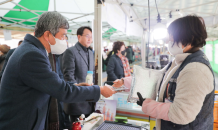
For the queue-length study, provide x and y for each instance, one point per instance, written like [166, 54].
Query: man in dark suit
[77, 60]
[28, 81]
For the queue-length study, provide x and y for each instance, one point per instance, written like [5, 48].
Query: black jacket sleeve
[110, 69]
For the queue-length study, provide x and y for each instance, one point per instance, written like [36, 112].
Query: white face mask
[175, 49]
[59, 47]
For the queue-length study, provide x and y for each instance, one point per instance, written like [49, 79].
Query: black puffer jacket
[115, 68]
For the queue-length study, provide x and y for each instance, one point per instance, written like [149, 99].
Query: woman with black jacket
[118, 65]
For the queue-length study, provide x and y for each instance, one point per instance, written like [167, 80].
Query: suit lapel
[82, 53]
[33, 40]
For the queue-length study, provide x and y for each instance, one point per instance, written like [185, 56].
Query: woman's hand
[84, 84]
[118, 83]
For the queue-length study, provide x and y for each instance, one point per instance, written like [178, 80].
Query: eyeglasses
[87, 36]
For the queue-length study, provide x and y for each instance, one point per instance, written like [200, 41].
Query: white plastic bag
[146, 81]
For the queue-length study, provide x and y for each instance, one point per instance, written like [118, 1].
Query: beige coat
[194, 82]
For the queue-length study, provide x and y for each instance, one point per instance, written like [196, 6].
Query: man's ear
[46, 35]
[78, 36]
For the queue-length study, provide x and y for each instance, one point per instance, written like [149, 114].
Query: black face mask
[123, 52]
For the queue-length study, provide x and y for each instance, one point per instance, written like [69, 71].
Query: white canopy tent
[135, 13]
[129, 17]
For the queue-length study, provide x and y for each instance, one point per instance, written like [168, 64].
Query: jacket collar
[79, 46]
[84, 48]
[33, 40]
[179, 58]
[119, 60]
[81, 52]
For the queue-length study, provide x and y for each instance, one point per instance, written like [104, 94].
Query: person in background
[129, 54]
[105, 49]
[10, 52]
[186, 94]
[76, 62]
[20, 42]
[4, 50]
[118, 65]
[29, 84]
[109, 54]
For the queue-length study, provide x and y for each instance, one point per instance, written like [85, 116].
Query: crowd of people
[130, 53]
[43, 81]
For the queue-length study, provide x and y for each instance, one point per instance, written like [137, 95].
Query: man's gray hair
[50, 21]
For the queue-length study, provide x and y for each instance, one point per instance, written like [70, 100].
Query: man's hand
[141, 99]
[84, 84]
[107, 91]
[118, 83]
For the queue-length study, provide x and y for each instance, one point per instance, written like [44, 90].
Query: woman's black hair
[188, 30]
[117, 46]
[81, 30]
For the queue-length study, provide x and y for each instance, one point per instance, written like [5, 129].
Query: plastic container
[122, 100]
[89, 77]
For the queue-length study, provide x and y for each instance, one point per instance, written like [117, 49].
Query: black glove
[141, 99]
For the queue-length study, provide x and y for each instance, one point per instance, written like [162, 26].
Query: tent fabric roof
[137, 11]
[24, 13]
[18, 10]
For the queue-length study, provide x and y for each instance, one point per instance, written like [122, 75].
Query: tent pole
[144, 6]
[15, 23]
[24, 8]
[80, 16]
[133, 10]
[143, 48]
[54, 5]
[19, 10]
[127, 13]
[169, 9]
[4, 2]
[18, 19]
[98, 40]
[21, 21]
